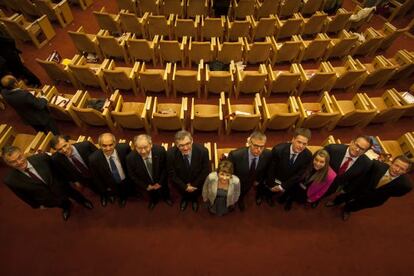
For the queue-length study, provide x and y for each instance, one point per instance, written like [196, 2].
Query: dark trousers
[162, 193]
[193, 197]
[75, 195]
[49, 126]
[363, 202]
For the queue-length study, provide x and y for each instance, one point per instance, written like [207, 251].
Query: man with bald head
[32, 110]
[109, 170]
[147, 167]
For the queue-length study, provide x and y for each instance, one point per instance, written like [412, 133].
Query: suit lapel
[245, 160]
[42, 171]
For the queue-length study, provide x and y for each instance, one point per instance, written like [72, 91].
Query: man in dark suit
[382, 182]
[289, 162]
[108, 167]
[32, 110]
[188, 167]
[350, 163]
[72, 161]
[147, 167]
[251, 164]
[33, 180]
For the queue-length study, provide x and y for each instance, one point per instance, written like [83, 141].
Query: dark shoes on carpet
[87, 204]
[183, 205]
[194, 205]
[330, 204]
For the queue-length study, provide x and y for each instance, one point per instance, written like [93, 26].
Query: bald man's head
[9, 82]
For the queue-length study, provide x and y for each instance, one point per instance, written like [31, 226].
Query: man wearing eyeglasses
[188, 167]
[250, 166]
[350, 163]
[289, 162]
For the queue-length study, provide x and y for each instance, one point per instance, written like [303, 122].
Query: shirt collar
[347, 155]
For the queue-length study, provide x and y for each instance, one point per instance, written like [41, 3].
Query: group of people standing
[288, 173]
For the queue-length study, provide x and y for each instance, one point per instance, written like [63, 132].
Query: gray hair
[106, 133]
[180, 135]
[142, 136]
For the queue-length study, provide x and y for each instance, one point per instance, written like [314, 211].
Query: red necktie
[344, 166]
[33, 176]
[79, 166]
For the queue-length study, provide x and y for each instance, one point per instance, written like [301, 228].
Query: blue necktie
[114, 170]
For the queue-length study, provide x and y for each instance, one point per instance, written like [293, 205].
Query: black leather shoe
[195, 206]
[241, 205]
[151, 205]
[330, 204]
[87, 204]
[258, 201]
[345, 215]
[183, 205]
[111, 199]
[168, 201]
[122, 203]
[66, 213]
[104, 201]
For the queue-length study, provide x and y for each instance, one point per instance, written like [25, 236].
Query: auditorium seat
[85, 43]
[197, 7]
[108, 21]
[314, 49]
[316, 80]
[172, 50]
[131, 23]
[243, 8]
[220, 154]
[251, 81]
[288, 27]
[230, 51]
[243, 117]
[390, 33]
[311, 7]
[257, 52]
[283, 81]
[369, 46]
[265, 26]
[402, 146]
[277, 116]
[349, 76]
[151, 6]
[112, 47]
[155, 80]
[204, 50]
[131, 115]
[169, 116]
[219, 81]
[389, 108]
[88, 74]
[173, 7]
[130, 6]
[338, 22]
[160, 25]
[207, 117]
[212, 27]
[125, 78]
[313, 24]
[186, 27]
[142, 49]
[405, 64]
[408, 105]
[187, 81]
[57, 72]
[341, 45]
[266, 8]
[287, 51]
[28, 143]
[378, 72]
[237, 28]
[59, 12]
[288, 8]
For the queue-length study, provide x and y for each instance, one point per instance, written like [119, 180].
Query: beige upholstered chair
[373, 40]
[390, 33]
[311, 7]
[131, 115]
[155, 80]
[251, 81]
[267, 8]
[186, 27]
[28, 143]
[278, 116]
[243, 8]
[151, 6]
[405, 64]
[108, 21]
[316, 80]
[338, 22]
[172, 50]
[283, 81]
[409, 106]
[131, 23]
[88, 74]
[212, 27]
[173, 7]
[314, 24]
[378, 72]
[219, 81]
[266, 26]
[287, 51]
[314, 49]
[258, 52]
[128, 5]
[91, 116]
[142, 49]
[160, 25]
[169, 116]
[60, 105]
[125, 78]
[289, 27]
[57, 72]
[350, 75]
[357, 112]
[237, 28]
[230, 51]
[207, 117]
[85, 43]
[187, 81]
[288, 8]
[197, 7]
[402, 146]
[205, 50]
[243, 117]
[318, 114]
[84, 4]
[341, 46]
[40, 31]
[59, 12]
[112, 47]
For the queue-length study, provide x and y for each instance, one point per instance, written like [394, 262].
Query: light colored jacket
[210, 189]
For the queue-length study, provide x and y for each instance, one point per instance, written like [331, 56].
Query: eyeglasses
[257, 146]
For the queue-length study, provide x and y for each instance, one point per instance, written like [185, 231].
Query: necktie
[114, 170]
[33, 176]
[292, 159]
[80, 167]
[252, 171]
[344, 166]
[148, 164]
[384, 180]
[187, 161]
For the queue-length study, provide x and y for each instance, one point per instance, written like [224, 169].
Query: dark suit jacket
[36, 193]
[280, 168]
[138, 172]
[349, 179]
[102, 175]
[180, 175]
[375, 197]
[67, 169]
[240, 160]
[31, 109]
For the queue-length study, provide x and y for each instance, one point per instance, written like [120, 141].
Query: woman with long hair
[314, 183]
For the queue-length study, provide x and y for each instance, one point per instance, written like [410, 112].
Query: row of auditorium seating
[203, 28]
[397, 8]
[237, 9]
[350, 76]
[50, 8]
[40, 142]
[152, 115]
[39, 31]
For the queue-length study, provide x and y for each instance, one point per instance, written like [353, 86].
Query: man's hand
[156, 186]
[190, 188]
[42, 207]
